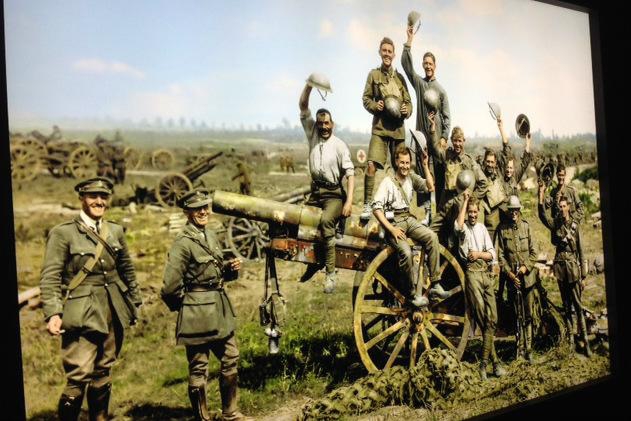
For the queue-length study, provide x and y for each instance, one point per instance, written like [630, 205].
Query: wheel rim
[82, 162]
[162, 159]
[247, 239]
[25, 164]
[171, 187]
[389, 331]
[132, 158]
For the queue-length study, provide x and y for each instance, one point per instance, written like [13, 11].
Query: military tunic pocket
[76, 308]
[199, 316]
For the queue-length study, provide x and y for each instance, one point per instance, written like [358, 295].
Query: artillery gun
[388, 330]
[173, 185]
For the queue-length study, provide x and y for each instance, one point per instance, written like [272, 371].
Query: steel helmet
[513, 202]
[320, 82]
[392, 106]
[431, 99]
[465, 180]
[414, 17]
[495, 110]
[522, 125]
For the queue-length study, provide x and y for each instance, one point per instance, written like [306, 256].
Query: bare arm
[303, 103]
[348, 205]
[429, 178]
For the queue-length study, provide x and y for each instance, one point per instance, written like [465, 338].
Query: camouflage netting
[437, 376]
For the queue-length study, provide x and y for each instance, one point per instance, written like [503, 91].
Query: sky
[245, 63]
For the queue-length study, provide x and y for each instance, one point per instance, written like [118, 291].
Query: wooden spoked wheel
[390, 331]
[171, 187]
[36, 146]
[25, 163]
[82, 162]
[162, 159]
[132, 158]
[247, 239]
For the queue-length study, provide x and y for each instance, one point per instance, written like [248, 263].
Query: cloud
[102, 67]
[326, 28]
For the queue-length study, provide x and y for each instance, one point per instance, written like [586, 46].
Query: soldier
[245, 181]
[87, 265]
[577, 213]
[451, 161]
[104, 158]
[394, 194]
[517, 256]
[426, 88]
[118, 158]
[475, 250]
[329, 162]
[495, 196]
[387, 98]
[289, 163]
[506, 163]
[570, 269]
[193, 286]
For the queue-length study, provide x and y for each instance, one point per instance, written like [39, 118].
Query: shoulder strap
[99, 238]
[400, 187]
[89, 264]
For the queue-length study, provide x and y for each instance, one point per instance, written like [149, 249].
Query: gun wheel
[25, 163]
[82, 162]
[132, 158]
[389, 331]
[247, 239]
[171, 187]
[162, 159]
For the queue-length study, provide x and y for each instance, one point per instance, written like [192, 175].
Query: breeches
[378, 149]
[88, 357]
[480, 290]
[226, 352]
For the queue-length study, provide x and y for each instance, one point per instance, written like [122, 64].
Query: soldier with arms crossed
[87, 266]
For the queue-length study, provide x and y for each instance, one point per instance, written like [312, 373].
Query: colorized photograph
[343, 209]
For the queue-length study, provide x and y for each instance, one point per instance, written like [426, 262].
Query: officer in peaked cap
[193, 286]
[87, 261]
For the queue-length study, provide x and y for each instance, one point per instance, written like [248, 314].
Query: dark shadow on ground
[333, 356]
[159, 412]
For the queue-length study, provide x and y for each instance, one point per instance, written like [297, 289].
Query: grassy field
[318, 350]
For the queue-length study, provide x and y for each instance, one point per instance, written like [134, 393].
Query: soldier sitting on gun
[570, 269]
[395, 192]
[516, 255]
[475, 249]
[329, 162]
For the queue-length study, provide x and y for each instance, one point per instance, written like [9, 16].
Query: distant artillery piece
[173, 185]
[133, 158]
[160, 159]
[25, 163]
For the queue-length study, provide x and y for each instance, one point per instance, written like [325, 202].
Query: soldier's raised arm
[303, 103]
[406, 62]
[543, 215]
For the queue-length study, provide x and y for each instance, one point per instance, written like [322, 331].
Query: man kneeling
[395, 193]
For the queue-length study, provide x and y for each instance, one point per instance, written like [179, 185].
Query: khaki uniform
[577, 211]
[245, 180]
[95, 312]
[515, 248]
[569, 267]
[511, 185]
[386, 131]
[494, 199]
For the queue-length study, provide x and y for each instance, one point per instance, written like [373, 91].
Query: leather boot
[197, 395]
[482, 369]
[583, 328]
[99, 401]
[69, 407]
[229, 399]
[528, 341]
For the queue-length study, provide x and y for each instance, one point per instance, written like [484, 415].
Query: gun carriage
[388, 330]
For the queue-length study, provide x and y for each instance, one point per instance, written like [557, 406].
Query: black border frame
[599, 398]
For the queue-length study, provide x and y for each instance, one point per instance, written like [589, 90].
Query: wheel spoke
[397, 349]
[451, 293]
[439, 335]
[389, 331]
[382, 310]
[373, 322]
[413, 349]
[446, 317]
[442, 268]
[389, 287]
[425, 339]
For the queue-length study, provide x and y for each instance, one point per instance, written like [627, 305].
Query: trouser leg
[429, 240]
[331, 212]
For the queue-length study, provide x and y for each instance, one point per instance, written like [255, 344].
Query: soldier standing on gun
[329, 161]
[387, 98]
[193, 286]
[423, 108]
[245, 180]
[517, 256]
[569, 266]
[395, 193]
[87, 265]
[476, 251]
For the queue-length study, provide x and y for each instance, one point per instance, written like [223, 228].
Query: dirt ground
[318, 351]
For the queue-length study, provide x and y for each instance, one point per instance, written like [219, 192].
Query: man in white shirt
[395, 193]
[475, 249]
[329, 161]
